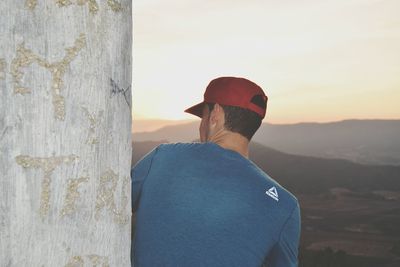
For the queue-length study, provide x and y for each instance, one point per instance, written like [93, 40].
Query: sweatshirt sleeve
[138, 175]
[285, 252]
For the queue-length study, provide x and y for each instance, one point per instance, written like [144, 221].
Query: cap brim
[196, 110]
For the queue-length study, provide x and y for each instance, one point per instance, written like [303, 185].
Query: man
[207, 204]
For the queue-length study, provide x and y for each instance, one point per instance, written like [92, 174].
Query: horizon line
[274, 123]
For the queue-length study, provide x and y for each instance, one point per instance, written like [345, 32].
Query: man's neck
[232, 141]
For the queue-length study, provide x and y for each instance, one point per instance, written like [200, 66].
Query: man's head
[232, 104]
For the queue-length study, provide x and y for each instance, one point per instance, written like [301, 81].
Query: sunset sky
[317, 60]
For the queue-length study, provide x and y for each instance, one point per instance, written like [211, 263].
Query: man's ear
[217, 114]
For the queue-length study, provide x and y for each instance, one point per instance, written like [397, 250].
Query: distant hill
[173, 133]
[305, 174]
[374, 142]
[141, 125]
[310, 175]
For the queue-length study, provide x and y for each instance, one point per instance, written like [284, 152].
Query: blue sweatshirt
[198, 204]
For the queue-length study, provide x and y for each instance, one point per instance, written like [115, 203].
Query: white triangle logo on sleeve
[272, 193]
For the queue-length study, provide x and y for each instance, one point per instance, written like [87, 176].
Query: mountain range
[373, 142]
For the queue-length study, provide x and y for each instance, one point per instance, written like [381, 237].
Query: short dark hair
[239, 120]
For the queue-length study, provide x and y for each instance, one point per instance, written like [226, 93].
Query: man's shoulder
[283, 194]
[180, 147]
[274, 189]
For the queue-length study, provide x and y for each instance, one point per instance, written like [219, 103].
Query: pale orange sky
[316, 60]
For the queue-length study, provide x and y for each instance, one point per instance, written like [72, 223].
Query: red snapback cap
[233, 91]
